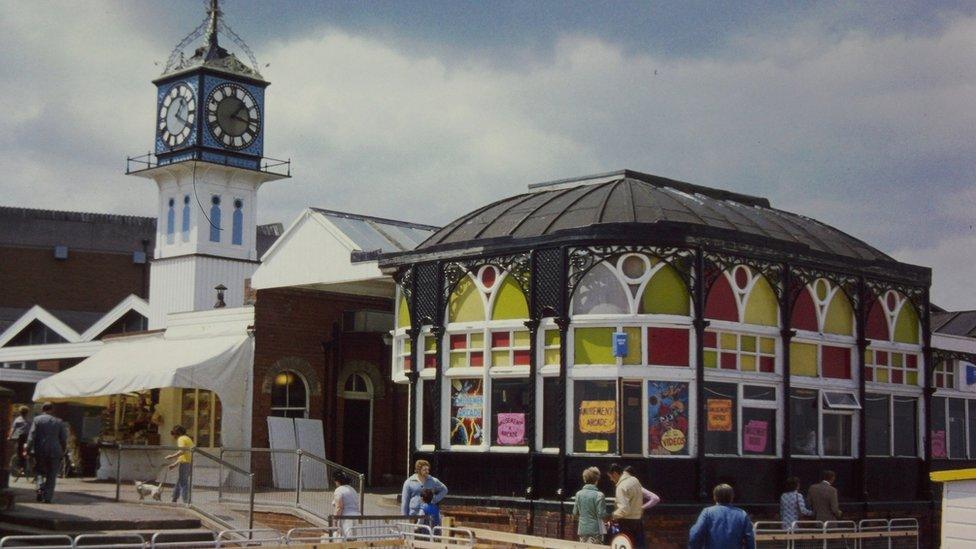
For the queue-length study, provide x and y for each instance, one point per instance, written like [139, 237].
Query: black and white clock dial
[233, 116]
[176, 115]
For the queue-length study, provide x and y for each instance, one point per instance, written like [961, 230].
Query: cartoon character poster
[667, 409]
[467, 412]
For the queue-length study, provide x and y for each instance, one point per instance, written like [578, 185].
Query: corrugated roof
[373, 234]
[958, 323]
[628, 197]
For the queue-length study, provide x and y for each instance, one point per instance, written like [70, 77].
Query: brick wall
[86, 281]
[291, 326]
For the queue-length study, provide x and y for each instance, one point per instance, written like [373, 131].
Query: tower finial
[213, 15]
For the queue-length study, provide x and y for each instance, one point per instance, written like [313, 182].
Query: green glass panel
[521, 338]
[747, 363]
[711, 359]
[803, 359]
[466, 303]
[748, 343]
[906, 327]
[510, 303]
[840, 315]
[594, 346]
[730, 342]
[762, 308]
[403, 314]
[551, 356]
[458, 360]
[767, 345]
[500, 358]
[666, 294]
[634, 346]
[552, 337]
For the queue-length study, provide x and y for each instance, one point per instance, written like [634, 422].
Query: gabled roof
[958, 323]
[131, 303]
[39, 314]
[376, 234]
[74, 326]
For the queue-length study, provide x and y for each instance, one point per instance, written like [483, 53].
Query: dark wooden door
[356, 431]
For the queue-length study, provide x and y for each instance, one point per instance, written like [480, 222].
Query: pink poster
[511, 429]
[938, 444]
[755, 435]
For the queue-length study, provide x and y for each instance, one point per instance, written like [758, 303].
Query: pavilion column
[563, 321]
[924, 484]
[700, 324]
[786, 336]
[530, 415]
[860, 328]
[412, 377]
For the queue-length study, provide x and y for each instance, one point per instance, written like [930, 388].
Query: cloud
[860, 130]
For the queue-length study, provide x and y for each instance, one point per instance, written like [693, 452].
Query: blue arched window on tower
[215, 219]
[186, 218]
[170, 221]
[237, 235]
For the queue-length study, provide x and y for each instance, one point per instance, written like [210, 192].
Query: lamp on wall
[387, 339]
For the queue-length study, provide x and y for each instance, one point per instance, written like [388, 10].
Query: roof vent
[60, 252]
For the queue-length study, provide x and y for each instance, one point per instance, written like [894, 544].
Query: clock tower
[208, 165]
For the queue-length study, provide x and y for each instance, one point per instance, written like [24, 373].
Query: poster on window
[598, 416]
[719, 414]
[667, 415]
[938, 444]
[511, 429]
[467, 412]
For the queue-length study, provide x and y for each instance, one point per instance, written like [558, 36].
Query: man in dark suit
[46, 442]
[823, 498]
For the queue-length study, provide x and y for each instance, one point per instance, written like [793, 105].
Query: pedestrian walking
[629, 498]
[792, 507]
[722, 526]
[19, 464]
[823, 498]
[590, 508]
[345, 501]
[183, 458]
[47, 441]
[410, 502]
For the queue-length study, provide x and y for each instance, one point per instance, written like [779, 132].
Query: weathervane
[210, 27]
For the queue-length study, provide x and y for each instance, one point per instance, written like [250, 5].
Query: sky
[858, 114]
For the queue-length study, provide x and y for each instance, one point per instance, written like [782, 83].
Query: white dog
[155, 491]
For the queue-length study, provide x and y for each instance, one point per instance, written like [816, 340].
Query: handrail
[155, 542]
[112, 539]
[222, 462]
[52, 537]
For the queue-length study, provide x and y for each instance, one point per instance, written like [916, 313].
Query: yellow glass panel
[458, 360]
[803, 359]
[767, 345]
[747, 343]
[407, 345]
[552, 337]
[510, 303]
[730, 342]
[906, 327]
[500, 358]
[465, 304]
[477, 341]
[912, 378]
[403, 313]
[711, 359]
[881, 375]
[634, 346]
[897, 360]
[521, 338]
[747, 363]
[762, 308]
[868, 356]
[666, 294]
[551, 356]
[594, 346]
[840, 315]
[430, 344]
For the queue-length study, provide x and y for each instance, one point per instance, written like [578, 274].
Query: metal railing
[273, 166]
[901, 533]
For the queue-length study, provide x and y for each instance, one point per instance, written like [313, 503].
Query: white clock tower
[208, 166]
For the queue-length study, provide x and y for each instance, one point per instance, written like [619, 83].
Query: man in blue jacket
[722, 526]
[410, 501]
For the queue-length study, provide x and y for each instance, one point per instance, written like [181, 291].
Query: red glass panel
[741, 278]
[501, 339]
[911, 361]
[669, 346]
[522, 358]
[459, 341]
[488, 277]
[877, 327]
[939, 382]
[728, 361]
[892, 300]
[881, 358]
[477, 359]
[711, 340]
[430, 361]
[720, 304]
[804, 313]
[836, 362]
[407, 363]
[767, 364]
[896, 376]
[869, 374]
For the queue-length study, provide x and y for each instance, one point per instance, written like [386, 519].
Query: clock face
[233, 116]
[176, 115]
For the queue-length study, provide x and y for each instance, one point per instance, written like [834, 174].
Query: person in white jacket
[410, 502]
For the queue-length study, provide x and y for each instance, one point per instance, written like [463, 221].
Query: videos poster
[667, 408]
[467, 412]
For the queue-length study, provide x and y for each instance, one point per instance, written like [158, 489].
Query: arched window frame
[186, 218]
[170, 220]
[215, 218]
[237, 225]
[625, 372]
[290, 407]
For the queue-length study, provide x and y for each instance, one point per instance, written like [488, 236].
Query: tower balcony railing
[148, 161]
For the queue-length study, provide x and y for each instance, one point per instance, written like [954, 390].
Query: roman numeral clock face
[233, 116]
[176, 114]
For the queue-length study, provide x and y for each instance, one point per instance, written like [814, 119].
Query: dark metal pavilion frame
[549, 238]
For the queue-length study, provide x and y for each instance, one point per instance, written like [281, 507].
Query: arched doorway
[357, 422]
[289, 395]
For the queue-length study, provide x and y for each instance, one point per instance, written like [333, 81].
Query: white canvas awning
[218, 363]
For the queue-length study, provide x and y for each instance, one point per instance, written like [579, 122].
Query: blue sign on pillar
[619, 344]
[970, 374]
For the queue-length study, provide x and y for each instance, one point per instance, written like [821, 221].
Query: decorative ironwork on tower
[211, 54]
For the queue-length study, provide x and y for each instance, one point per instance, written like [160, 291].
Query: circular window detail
[215, 200]
[741, 276]
[488, 276]
[891, 300]
[171, 202]
[634, 267]
[820, 287]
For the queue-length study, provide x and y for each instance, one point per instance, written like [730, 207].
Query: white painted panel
[281, 436]
[311, 439]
